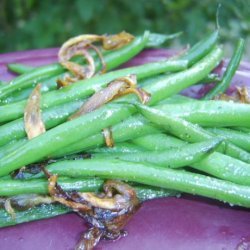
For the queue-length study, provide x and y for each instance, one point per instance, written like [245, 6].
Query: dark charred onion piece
[107, 134]
[89, 239]
[33, 123]
[107, 213]
[117, 88]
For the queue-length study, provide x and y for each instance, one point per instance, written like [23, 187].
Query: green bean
[238, 138]
[51, 117]
[63, 135]
[201, 48]
[12, 145]
[172, 158]
[122, 147]
[182, 181]
[179, 81]
[243, 129]
[158, 142]
[128, 129]
[216, 164]
[28, 79]
[10, 188]
[211, 78]
[155, 40]
[162, 89]
[85, 88]
[225, 167]
[229, 73]
[40, 186]
[190, 132]
[36, 213]
[19, 68]
[51, 210]
[47, 85]
[210, 113]
[88, 125]
[112, 60]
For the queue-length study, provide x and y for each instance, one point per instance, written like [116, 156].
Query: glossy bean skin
[67, 133]
[230, 71]
[63, 135]
[40, 186]
[172, 158]
[128, 129]
[211, 113]
[238, 138]
[112, 60]
[46, 86]
[190, 132]
[216, 164]
[52, 117]
[85, 88]
[51, 210]
[172, 84]
[200, 49]
[122, 147]
[19, 68]
[158, 142]
[37, 213]
[182, 181]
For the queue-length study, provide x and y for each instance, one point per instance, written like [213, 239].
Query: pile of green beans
[158, 147]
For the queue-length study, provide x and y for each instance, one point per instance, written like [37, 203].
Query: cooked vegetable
[230, 71]
[88, 133]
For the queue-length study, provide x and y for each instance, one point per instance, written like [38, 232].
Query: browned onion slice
[117, 88]
[33, 123]
[79, 45]
[107, 213]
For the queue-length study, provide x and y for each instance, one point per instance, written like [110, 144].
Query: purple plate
[169, 223]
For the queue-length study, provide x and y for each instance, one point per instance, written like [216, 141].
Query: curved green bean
[19, 68]
[238, 138]
[172, 158]
[87, 125]
[85, 88]
[112, 60]
[210, 113]
[182, 181]
[230, 71]
[189, 132]
[200, 49]
[51, 117]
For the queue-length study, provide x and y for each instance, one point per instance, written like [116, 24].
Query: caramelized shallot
[33, 122]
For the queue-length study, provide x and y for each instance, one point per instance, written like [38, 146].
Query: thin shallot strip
[117, 88]
[33, 123]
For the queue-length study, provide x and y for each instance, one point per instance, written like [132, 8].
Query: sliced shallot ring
[86, 39]
[33, 122]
